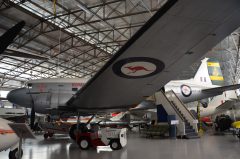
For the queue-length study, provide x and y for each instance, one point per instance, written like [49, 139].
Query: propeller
[32, 117]
[33, 113]
[7, 38]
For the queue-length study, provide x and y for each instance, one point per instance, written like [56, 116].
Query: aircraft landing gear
[79, 128]
[73, 130]
[14, 154]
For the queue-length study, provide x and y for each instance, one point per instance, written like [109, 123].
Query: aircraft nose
[11, 96]
[19, 97]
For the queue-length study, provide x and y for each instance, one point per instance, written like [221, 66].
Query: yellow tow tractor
[236, 128]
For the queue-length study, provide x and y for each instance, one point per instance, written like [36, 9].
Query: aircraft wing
[220, 90]
[180, 33]
[226, 105]
[7, 38]
[229, 104]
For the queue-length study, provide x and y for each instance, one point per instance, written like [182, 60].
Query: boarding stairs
[187, 126]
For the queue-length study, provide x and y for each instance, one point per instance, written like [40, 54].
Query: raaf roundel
[137, 67]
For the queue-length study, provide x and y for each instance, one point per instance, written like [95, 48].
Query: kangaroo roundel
[138, 67]
[186, 90]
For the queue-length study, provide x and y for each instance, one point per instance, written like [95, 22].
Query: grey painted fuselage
[46, 94]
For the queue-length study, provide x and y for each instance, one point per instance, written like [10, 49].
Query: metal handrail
[180, 115]
[183, 104]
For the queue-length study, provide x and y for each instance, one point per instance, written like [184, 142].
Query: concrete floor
[208, 147]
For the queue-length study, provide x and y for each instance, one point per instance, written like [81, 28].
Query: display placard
[174, 122]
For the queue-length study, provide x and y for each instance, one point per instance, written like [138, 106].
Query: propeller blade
[32, 118]
[7, 38]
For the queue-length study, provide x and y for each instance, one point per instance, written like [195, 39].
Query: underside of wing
[220, 90]
[180, 33]
[229, 104]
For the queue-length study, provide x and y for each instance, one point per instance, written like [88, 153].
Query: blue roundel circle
[137, 67]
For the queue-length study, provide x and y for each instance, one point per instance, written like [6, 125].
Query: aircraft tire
[50, 134]
[84, 143]
[14, 154]
[115, 144]
[72, 131]
[82, 129]
[45, 136]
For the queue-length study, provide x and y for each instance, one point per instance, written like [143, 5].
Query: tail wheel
[115, 144]
[84, 143]
[14, 154]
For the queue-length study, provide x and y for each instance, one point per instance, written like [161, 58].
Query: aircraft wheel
[50, 134]
[72, 131]
[115, 144]
[45, 136]
[14, 154]
[84, 143]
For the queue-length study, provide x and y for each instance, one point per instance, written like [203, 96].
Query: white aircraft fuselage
[189, 90]
[8, 138]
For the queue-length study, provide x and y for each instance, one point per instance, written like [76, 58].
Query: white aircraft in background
[178, 34]
[223, 110]
[221, 104]
[8, 113]
[207, 82]
[8, 139]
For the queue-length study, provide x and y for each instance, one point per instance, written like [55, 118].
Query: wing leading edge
[176, 36]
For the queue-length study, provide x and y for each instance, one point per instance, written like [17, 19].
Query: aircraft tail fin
[215, 72]
[210, 72]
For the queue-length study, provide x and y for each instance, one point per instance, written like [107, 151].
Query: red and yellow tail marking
[2, 131]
